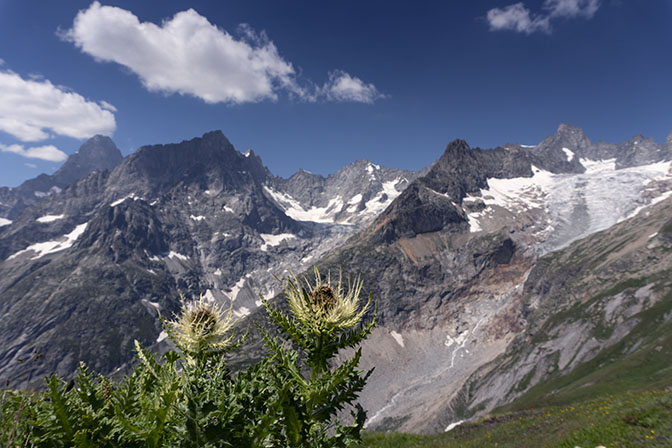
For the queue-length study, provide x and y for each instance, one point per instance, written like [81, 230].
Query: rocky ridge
[197, 217]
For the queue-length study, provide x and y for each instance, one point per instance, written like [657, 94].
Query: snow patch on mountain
[397, 337]
[236, 289]
[453, 425]
[241, 312]
[274, 240]
[4, 222]
[43, 194]
[384, 198]
[295, 210]
[50, 247]
[568, 152]
[130, 196]
[356, 199]
[516, 194]
[209, 297]
[179, 256]
[49, 218]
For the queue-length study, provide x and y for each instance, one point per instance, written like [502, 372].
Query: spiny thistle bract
[202, 327]
[323, 305]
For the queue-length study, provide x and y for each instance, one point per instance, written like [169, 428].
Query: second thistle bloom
[324, 305]
[202, 327]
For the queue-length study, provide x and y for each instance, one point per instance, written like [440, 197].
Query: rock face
[97, 153]
[114, 248]
[469, 263]
[432, 203]
[555, 150]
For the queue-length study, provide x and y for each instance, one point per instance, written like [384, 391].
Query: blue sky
[318, 85]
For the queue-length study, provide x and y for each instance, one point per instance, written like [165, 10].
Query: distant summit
[97, 153]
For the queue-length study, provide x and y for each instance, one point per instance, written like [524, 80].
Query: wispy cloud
[572, 8]
[188, 55]
[49, 153]
[517, 17]
[31, 109]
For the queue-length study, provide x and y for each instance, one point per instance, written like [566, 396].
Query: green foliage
[188, 398]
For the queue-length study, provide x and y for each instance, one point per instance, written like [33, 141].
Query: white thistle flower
[326, 306]
[202, 327]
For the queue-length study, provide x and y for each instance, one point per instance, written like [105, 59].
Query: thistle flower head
[202, 327]
[324, 305]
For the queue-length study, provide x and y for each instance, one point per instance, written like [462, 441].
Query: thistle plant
[313, 389]
[188, 398]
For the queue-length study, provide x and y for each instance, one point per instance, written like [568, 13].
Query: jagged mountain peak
[215, 136]
[569, 129]
[639, 139]
[97, 143]
[637, 151]
[305, 174]
[668, 141]
[98, 152]
[560, 152]
[209, 162]
[456, 151]
[569, 135]
[360, 164]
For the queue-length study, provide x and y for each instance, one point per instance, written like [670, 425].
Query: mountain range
[496, 272]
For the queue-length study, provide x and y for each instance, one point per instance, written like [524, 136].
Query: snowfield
[576, 205]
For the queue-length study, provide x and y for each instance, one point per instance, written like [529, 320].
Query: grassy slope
[586, 408]
[641, 360]
[625, 420]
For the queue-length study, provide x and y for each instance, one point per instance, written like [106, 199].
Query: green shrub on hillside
[188, 398]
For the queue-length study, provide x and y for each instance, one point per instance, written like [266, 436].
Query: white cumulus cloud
[187, 54]
[49, 153]
[517, 17]
[32, 108]
[343, 87]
